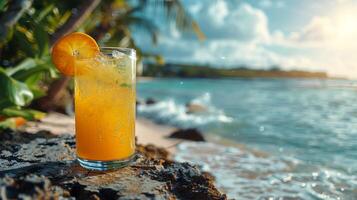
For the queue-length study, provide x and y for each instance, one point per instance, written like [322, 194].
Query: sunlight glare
[346, 24]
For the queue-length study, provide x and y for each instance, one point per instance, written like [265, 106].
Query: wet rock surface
[150, 101]
[188, 134]
[42, 166]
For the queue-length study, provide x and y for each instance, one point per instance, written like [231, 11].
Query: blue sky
[317, 35]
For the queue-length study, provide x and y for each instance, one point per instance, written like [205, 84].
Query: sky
[315, 35]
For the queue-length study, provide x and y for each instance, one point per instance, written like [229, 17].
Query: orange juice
[105, 107]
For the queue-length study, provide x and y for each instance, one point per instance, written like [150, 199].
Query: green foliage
[12, 113]
[2, 5]
[25, 64]
[113, 24]
[14, 93]
[19, 86]
[28, 114]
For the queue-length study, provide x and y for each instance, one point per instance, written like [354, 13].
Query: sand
[147, 132]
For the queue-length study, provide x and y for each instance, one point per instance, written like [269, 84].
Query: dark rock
[140, 101]
[188, 134]
[152, 151]
[25, 149]
[43, 167]
[150, 101]
[30, 187]
[187, 181]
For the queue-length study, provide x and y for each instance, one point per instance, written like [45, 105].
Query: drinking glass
[105, 109]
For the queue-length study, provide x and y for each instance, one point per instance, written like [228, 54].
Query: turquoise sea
[297, 137]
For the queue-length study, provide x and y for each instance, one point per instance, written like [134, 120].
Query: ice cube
[117, 54]
[101, 57]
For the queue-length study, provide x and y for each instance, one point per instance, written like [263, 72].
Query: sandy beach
[149, 132]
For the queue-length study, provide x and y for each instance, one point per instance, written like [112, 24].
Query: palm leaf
[3, 5]
[176, 12]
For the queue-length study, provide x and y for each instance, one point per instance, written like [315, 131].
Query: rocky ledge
[42, 166]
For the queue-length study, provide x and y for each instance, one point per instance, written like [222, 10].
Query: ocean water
[299, 136]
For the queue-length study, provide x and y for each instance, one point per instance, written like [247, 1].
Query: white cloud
[317, 33]
[332, 41]
[228, 53]
[236, 33]
[218, 13]
[222, 20]
[236, 53]
[239, 33]
[320, 29]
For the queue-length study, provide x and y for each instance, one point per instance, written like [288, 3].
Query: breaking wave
[174, 113]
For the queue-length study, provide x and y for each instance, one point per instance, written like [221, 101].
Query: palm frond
[174, 11]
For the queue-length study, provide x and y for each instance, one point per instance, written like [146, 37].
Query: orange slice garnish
[72, 48]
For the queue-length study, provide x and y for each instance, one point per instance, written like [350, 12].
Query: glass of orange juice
[105, 109]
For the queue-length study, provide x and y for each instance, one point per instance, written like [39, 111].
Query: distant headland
[204, 71]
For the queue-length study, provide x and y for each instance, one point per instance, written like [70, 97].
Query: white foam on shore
[171, 112]
[246, 175]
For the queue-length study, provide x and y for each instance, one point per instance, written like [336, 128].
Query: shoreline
[150, 78]
[147, 131]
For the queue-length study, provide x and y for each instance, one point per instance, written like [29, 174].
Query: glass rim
[128, 51]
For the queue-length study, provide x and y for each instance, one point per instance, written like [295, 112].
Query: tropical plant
[25, 61]
[29, 28]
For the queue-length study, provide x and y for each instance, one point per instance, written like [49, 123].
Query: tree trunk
[57, 87]
[75, 20]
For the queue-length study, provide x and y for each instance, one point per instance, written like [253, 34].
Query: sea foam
[172, 112]
[245, 175]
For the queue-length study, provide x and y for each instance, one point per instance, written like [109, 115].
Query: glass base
[105, 165]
